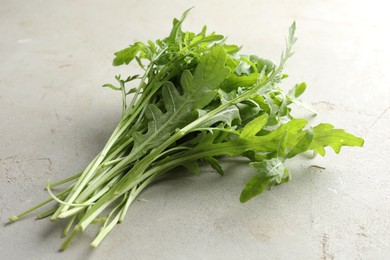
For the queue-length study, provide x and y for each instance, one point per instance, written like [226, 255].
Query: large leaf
[247, 139]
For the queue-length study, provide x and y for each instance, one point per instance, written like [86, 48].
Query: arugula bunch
[197, 100]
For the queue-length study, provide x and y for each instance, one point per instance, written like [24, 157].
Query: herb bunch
[197, 100]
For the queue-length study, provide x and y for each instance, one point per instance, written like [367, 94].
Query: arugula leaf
[226, 116]
[233, 82]
[199, 89]
[294, 93]
[326, 135]
[269, 172]
[192, 166]
[297, 90]
[252, 128]
[126, 55]
[215, 165]
[176, 29]
[302, 144]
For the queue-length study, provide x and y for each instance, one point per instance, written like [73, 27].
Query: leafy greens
[197, 100]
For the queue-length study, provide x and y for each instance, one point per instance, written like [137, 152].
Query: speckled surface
[54, 118]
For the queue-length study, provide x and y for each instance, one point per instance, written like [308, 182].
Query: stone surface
[54, 117]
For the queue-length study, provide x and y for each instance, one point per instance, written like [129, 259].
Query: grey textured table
[54, 118]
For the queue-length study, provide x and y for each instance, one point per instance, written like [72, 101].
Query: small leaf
[111, 87]
[210, 38]
[256, 185]
[248, 110]
[233, 82]
[215, 165]
[254, 126]
[176, 29]
[294, 93]
[243, 68]
[263, 64]
[192, 166]
[302, 145]
[303, 105]
[126, 55]
[226, 97]
[232, 48]
[130, 78]
[268, 172]
[326, 135]
[131, 91]
[282, 148]
[297, 90]
[226, 116]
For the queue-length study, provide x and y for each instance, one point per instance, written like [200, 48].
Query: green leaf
[131, 91]
[192, 166]
[176, 29]
[215, 165]
[202, 39]
[226, 116]
[302, 145]
[210, 72]
[297, 90]
[111, 87]
[282, 147]
[270, 141]
[269, 172]
[199, 89]
[325, 135]
[290, 41]
[226, 97]
[303, 105]
[126, 55]
[262, 64]
[256, 185]
[231, 48]
[248, 139]
[294, 93]
[243, 68]
[248, 110]
[253, 127]
[233, 82]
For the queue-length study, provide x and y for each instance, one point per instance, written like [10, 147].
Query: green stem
[137, 172]
[91, 169]
[47, 213]
[69, 226]
[146, 74]
[61, 194]
[120, 216]
[58, 183]
[96, 196]
[129, 200]
[105, 230]
[124, 105]
[69, 240]
[125, 184]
